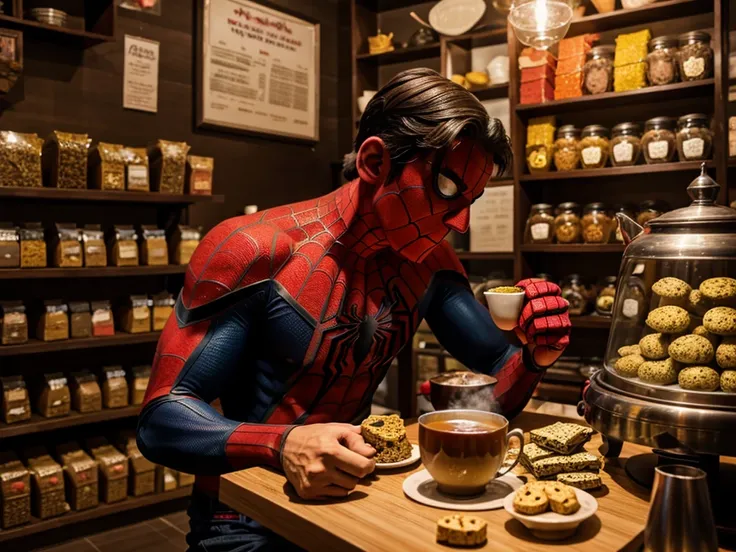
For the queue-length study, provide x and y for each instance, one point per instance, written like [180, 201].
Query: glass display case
[670, 364]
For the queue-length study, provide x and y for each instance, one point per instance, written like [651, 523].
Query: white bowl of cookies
[549, 509]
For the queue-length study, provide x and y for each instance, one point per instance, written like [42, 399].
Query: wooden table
[377, 516]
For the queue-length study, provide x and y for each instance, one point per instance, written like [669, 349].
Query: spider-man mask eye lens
[446, 187]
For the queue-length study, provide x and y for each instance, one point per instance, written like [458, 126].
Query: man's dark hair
[419, 109]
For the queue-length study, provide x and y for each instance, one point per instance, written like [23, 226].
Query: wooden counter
[377, 516]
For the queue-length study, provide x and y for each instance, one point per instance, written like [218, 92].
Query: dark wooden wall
[66, 88]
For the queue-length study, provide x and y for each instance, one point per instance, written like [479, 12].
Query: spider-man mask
[431, 196]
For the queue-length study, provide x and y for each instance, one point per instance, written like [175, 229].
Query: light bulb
[540, 23]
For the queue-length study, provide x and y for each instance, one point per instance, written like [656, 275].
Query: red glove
[544, 325]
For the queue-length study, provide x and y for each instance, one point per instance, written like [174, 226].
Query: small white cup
[505, 308]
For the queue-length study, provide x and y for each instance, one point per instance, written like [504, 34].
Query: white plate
[551, 525]
[401, 463]
[423, 489]
[456, 17]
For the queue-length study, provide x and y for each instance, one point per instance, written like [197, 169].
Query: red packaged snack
[538, 91]
[535, 73]
[531, 57]
[572, 64]
[569, 86]
[576, 45]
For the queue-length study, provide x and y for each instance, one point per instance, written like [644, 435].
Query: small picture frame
[11, 48]
[152, 7]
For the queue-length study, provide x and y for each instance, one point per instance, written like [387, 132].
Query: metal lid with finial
[702, 212]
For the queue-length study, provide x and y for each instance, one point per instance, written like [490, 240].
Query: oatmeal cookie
[661, 372]
[691, 349]
[699, 378]
[628, 366]
[531, 499]
[720, 321]
[562, 499]
[654, 346]
[629, 350]
[719, 289]
[668, 320]
[728, 381]
[726, 353]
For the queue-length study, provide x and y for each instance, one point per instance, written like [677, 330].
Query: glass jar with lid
[596, 223]
[598, 70]
[567, 223]
[659, 142]
[625, 144]
[628, 209]
[606, 296]
[694, 137]
[539, 158]
[695, 56]
[662, 60]
[576, 294]
[566, 148]
[540, 224]
[594, 147]
[650, 209]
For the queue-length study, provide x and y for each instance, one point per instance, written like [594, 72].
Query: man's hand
[325, 460]
[544, 325]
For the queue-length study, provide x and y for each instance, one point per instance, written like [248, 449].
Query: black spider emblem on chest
[362, 332]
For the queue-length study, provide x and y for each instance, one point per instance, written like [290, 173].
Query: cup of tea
[461, 390]
[463, 449]
[505, 304]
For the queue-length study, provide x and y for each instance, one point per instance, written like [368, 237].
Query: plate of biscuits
[551, 510]
[387, 435]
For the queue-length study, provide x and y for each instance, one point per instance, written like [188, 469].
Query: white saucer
[551, 525]
[401, 463]
[423, 489]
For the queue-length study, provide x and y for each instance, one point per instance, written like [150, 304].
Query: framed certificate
[257, 70]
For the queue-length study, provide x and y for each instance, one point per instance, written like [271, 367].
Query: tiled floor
[162, 534]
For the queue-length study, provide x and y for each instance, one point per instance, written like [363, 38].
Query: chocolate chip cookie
[660, 372]
[691, 349]
[669, 319]
[726, 353]
[654, 346]
[720, 321]
[699, 378]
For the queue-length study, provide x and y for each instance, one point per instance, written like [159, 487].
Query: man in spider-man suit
[291, 316]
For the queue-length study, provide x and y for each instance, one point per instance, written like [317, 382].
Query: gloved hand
[544, 324]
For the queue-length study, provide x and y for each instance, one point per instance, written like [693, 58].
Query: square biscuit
[561, 437]
[581, 461]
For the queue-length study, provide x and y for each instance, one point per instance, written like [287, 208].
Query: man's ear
[373, 161]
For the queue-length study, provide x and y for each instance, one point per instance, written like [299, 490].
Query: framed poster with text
[257, 70]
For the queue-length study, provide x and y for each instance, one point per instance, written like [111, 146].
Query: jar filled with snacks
[139, 383]
[80, 318]
[627, 209]
[107, 167]
[136, 169]
[81, 476]
[95, 251]
[183, 243]
[199, 174]
[32, 245]
[598, 70]
[566, 148]
[113, 470]
[695, 55]
[662, 60]
[567, 223]
[625, 144]
[538, 158]
[540, 224]
[168, 162]
[15, 491]
[67, 245]
[136, 315]
[694, 137]
[102, 321]
[659, 142]
[16, 402]
[163, 306]
[114, 387]
[20, 160]
[48, 484]
[606, 296]
[154, 250]
[142, 470]
[54, 322]
[9, 246]
[65, 159]
[594, 147]
[54, 399]
[86, 392]
[576, 295]
[596, 223]
[14, 322]
[123, 250]
[650, 209]
[540, 137]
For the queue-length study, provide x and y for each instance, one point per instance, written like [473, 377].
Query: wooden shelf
[693, 166]
[472, 256]
[659, 11]
[98, 272]
[56, 194]
[492, 92]
[400, 55]
[39, 424]
[131, 503]
[591, 321]
[35, 346]
[52, 31]
[480, 38]
[651, 94]
[574, 248]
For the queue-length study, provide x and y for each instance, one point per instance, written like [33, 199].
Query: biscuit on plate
[562, 499]
[461, 530]
[561, 437]
[581, 480]
[531, 499]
